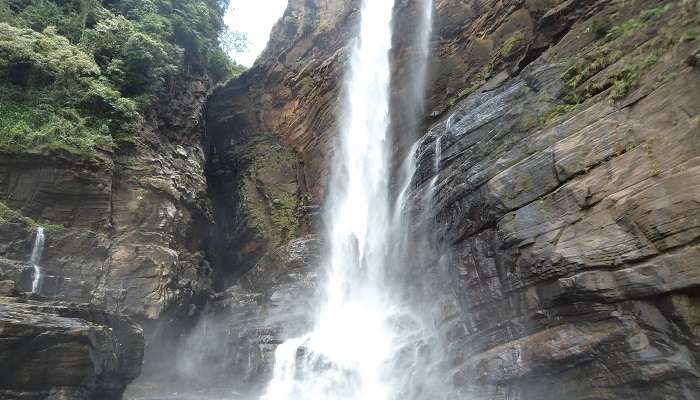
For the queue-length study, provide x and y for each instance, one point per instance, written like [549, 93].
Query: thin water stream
[35, 259]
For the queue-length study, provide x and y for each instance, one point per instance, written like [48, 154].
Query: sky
[255, 18]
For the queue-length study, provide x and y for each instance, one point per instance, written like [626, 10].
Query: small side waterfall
[35, 259]
[436, 165]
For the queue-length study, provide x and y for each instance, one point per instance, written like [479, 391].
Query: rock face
[126, 230]
[59, 351]
[566, 195]
[232, 347]
[568, 136]
[567, 192]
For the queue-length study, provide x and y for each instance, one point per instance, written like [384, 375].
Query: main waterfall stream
[364, 327]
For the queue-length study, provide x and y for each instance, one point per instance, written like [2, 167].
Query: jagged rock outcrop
[61, 351]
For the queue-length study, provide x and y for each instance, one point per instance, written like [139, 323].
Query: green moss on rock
[511, 44]
[10, 215]
[273, 203]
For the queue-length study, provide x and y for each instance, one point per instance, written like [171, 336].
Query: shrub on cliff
[138, 64]
[75, 74]
[54, 95]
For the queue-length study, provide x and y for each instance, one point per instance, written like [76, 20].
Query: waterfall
[363, 327]
[436, 163]
[35, 258]
[425, 30]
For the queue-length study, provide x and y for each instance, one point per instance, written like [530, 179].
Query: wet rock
[232, 346]
[274, 302]
[126, 230]
[574, 236]
[8, 288]
[61, 351]
[21, 274]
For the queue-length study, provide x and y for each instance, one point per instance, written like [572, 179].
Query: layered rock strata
[62, 351]
[567, 135]
[125, 230]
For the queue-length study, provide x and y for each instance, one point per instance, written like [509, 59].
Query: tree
[233, 41]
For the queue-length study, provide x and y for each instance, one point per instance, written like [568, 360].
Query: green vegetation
[276, 211]
[626, 28]
[653, 13]
[280, 217]
[588, 66]
[555, 113]
[600, 27]
[53, 93]
[604, 67]
[79, 74]
[506, 51]
[627, 79]
[578, 83]
[285, 212]
[634, 24]
[689, 36]
[511, 44]
[9, 215]
[581, 80]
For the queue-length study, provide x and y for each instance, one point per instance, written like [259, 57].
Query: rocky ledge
[51, 350]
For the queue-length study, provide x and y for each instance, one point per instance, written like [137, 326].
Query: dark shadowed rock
[60, 351]
[8, 288]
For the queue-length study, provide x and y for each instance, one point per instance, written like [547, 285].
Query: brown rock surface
[567, 189]
[125, 230]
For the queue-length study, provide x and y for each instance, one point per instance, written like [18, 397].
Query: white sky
[255, 18]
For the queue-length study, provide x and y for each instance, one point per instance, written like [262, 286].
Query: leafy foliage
[53, 94]
[78, 74]
[137, 64]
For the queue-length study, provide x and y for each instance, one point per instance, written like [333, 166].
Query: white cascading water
[352, 352]
[35, 258]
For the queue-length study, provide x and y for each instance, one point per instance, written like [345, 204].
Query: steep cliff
[119, 184]
[568, 147]
[101, 145]
[567, 191]
[265, 166]
[559, 145]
